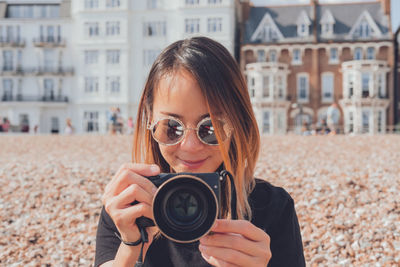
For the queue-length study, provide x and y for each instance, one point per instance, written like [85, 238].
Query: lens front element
[185, 208]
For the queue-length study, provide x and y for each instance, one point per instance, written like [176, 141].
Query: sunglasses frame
[151, 128]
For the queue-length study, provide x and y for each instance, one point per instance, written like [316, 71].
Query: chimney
[386, 6]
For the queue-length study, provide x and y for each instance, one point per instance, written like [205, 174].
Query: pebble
[345, 190]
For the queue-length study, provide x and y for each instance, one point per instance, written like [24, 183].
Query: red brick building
[308, 65]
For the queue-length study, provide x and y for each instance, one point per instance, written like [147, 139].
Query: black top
[273, 211]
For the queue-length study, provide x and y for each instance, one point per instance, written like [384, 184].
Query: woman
[196, 82]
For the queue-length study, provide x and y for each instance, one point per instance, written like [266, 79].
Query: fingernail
[154, 168]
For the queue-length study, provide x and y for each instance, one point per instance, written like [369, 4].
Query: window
[92, 29]
[153, 4]
[191, 2]
[326, 29]
[260, 55]
[113, 84]
[327, 87]
[49, 59]
[333, 55]
[149, 56]
[266, 87]
[215, 25]
[365, 121]
[113, 3]
[365, 78]
[33, 11]
[296, 57]
[350, 82]
[358, 53]
[155, 28]
[351, 122]
[48, 93]
[380, 121]
[91, 57]
[302, 88]
[8, 60]
[252, 89]
[303, 29]
[214, 1]
[113, 56]
[91, 84]
[272, 56]
[370, 53]
[268, 34]
[364, 30]
[7, 89]
[112, 28]
[91, 121]
[280, 87]
[266, 122]
[382, 85]
[192, 25]
[91, 4]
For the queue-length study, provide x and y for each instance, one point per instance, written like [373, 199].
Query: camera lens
[185, 208]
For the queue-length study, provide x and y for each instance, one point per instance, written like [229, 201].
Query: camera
[185, 205]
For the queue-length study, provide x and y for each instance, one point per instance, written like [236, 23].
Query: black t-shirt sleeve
[286, 244]
[107, 243]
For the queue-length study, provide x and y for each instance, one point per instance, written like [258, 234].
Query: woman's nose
[191, 142]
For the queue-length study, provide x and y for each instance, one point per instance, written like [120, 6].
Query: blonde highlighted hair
[225, 91]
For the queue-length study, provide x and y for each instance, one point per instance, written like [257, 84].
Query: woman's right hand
[129, 185]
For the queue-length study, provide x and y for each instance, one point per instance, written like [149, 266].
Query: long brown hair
[225, 91]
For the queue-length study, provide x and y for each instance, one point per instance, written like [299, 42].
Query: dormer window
[303, 24]
[327, 21]
[364, 30]
[365, 27]
[267, 31]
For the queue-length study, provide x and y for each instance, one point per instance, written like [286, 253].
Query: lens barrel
[185, 207]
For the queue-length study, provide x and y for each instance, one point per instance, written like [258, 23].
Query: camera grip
[143, 222]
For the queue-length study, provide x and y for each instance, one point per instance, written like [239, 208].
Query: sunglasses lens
[207, 134]
[168, 131]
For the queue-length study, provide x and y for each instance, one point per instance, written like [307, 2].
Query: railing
[43, 98]
[12, 41]
[8, 69]
[49, 40]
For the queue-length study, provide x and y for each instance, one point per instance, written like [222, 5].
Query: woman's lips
[193, 164]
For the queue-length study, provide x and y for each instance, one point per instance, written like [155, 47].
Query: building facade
[310, 64]
[80, 59]
[36, 76]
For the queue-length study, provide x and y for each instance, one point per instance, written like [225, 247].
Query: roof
[345, 16]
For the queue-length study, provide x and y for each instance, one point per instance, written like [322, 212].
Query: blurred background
[312, 67]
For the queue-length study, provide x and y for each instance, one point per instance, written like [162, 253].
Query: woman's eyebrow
[181, 117]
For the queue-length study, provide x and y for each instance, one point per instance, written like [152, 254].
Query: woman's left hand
[236, 243]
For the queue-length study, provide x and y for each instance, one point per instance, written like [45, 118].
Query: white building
[78, 59]
[118, 40]
[36, 77]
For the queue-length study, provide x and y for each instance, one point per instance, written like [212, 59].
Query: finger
[139, 168]
[126, 178]
[225, 257]
[243, 227]
[127, 217]
[234, 241]
[132, 193]
[216, 262]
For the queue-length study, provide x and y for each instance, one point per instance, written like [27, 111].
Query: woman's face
[178, 95]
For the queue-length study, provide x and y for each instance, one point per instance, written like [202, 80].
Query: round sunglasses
[171, 131]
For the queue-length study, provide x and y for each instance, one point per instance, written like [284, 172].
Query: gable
[267, 30]
[365, 27]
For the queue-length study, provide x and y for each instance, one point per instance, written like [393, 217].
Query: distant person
[1, 124]
[332, 118]
[130, 125]
[119, 123]
[6, 125]
[69, 129]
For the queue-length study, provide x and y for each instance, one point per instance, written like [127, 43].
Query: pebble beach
[346, 190]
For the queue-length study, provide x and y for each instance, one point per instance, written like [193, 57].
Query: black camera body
[185, 205]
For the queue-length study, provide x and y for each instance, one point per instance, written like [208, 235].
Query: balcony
[11, 41]
[272, 67]
[11, 70]
[365, 65]
[49, 41]
[43, 98]
[59, 71]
